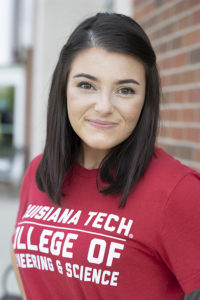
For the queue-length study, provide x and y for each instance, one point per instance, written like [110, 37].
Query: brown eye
[126, 91]
[85, 85]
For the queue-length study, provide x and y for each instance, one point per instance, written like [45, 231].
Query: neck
[91, 158]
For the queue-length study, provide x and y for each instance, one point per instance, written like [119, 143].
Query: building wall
[174, 29]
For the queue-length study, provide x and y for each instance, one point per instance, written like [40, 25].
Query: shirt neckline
[83, 172]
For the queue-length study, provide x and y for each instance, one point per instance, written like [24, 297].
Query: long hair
[116, 33]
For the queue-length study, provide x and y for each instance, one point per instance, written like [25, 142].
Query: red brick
[150, 22]
[166, 30]
[163, 80]
[166, 97]
[192, 38]
[163, 130]
[144, 11]
[169, 115]
[194, 56]
[197, 78]
[176, 133]
[166, 63]
[180, 60]
[140, 3]
[169, 45]
[174, 96]
[177, 43]
[192, 134]
[179, 7]
[159, 3]
[158, 18]
[187, 134]
[193, 95]
[197, 115]
[196, 155]
[183, 23]
[187, 77]
[173, 61]
[177, 96]
[167, 13]
[137, 2]
[192, 3]
[162, 48]
[163, 114]
[195, 18]
[181, 78]
[187, 115]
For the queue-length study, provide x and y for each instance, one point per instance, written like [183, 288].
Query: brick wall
[174, 29]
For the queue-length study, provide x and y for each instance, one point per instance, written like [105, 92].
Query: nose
[103, 104]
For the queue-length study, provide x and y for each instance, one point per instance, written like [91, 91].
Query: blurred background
[32, 33]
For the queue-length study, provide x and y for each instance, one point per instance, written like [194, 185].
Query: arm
[180, 231]
[14, 264]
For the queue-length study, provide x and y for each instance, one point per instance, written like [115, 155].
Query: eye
[85, 85]
[126, 91]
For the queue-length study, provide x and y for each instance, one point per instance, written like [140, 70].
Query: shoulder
[32, 167]
[35, 161]
[162, 159]
[165, 172]
[179, 223]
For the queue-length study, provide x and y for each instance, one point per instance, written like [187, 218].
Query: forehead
[100, 62]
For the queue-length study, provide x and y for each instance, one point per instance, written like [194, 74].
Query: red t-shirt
[90, 249]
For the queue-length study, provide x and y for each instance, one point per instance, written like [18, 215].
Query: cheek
[71, 99]
[77, 107]
[72, 109]
[76, 104]
[73, 105]
[132, 113]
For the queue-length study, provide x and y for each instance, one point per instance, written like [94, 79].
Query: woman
[104, 214]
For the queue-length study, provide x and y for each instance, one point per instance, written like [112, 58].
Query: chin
[102, 145]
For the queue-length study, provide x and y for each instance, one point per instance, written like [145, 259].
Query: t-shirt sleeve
[179, 233]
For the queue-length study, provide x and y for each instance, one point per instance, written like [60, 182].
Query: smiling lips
[102, 124]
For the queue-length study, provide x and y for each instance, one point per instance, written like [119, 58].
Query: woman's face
[105, 96]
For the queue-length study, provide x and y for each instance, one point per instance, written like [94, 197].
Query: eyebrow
[117, 82]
